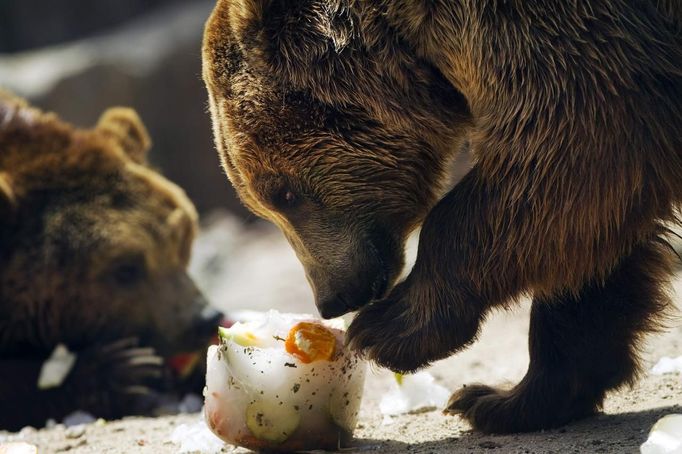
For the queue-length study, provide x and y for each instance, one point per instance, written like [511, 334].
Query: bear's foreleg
[581, 346]
[438, 308]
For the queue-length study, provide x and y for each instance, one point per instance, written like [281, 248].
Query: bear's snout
[336, 294]
[333, 307]
[364, 274]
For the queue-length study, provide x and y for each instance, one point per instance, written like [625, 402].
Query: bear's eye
[130, 272]
[286, 199]
[289, 198]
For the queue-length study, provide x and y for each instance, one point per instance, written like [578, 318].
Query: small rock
[489, 445]
[75, 431]
[73, 445]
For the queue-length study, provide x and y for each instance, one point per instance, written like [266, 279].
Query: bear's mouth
[376, 290]
[380, 284]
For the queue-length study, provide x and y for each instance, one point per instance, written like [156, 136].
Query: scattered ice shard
[412, 393]
[665, 436]
[196, 437]
[56, 368]
[667, 365]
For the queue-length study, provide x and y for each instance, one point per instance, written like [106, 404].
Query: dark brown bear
[93, 253]
[335, 119]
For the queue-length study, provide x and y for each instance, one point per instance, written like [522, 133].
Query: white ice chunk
[665, 436]
[17, 448]
[417, 391]
[196, 437]
[667, 365]
[56, 368]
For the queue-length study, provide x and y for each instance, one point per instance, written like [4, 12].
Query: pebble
[489, 445]
[75, 431]
[73, 445]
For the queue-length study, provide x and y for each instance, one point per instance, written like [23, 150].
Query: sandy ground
[499, 357]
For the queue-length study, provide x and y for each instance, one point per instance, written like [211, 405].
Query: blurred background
[79, 57]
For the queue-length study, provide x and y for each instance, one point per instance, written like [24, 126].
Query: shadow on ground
[602, 433]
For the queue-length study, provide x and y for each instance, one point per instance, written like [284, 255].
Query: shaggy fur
[336, 119]
[93, 251]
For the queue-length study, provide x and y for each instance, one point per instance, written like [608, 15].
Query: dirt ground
[499, 357]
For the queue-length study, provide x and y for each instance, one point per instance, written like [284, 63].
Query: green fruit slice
[243, 338]
[273, 423]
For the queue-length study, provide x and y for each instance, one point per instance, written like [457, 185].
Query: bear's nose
[333, 307]
[208, 321]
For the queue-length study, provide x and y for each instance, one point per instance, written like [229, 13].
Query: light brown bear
[335, 119]
[94, 247]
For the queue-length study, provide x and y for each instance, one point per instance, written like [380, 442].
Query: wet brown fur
[94, 246]
[336, 120]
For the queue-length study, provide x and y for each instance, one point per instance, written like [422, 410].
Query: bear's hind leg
[581, 346]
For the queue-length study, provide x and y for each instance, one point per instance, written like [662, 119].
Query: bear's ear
[15, 113]
[242, 13]
[125, 126]
[8, 200]
[291, 26]
[299, 35]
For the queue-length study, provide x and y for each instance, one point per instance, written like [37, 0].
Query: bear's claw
[384, 333]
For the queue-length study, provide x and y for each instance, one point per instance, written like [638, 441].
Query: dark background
[28, 24]
[162, 80]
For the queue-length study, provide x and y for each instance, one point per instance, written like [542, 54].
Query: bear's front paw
[408, 330]
[117, 379]
[383, 332]
[389, 333]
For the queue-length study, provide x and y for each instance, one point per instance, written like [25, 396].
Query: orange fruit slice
[310, 342]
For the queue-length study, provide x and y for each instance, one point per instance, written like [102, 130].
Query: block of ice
[283, 382]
